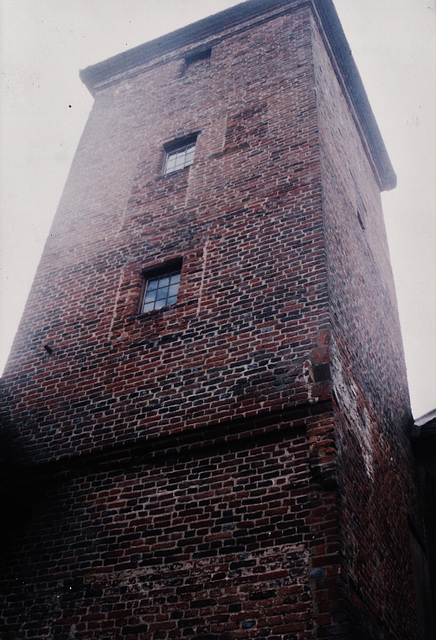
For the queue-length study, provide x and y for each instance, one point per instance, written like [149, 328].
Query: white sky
[44, 107]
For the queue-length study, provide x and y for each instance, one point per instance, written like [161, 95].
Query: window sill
[179, 172]
[156, 312]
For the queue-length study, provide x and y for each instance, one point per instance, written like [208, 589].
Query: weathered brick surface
[218, 539]
[232, 466]
[253, 290]
[377, 483]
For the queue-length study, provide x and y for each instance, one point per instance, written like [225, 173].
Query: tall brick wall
[243, 306]
[192, 472]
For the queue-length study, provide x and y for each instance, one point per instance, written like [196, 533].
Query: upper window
[180, 157]
[161, 290]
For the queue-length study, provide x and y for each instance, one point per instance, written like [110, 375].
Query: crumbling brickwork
[229, 466]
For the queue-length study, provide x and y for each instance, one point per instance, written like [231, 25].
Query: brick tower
[205, 407]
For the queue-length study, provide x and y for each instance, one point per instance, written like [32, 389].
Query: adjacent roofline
[425, 426]
[208, 27]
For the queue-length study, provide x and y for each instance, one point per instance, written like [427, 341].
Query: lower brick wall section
[232, 540]
[378, 504]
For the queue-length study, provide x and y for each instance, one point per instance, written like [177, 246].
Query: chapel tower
[206, 400]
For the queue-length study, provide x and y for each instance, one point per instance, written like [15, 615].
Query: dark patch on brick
[136, 629]
[248, 624]
[262, 595]
[317, 573]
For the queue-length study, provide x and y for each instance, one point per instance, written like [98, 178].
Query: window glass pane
[152, 284]
[162, 293]
[171, 160]
[190, 155]
[150, 295]
[180, 158]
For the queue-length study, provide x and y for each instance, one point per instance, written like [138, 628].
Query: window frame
[180, 147]
[157, 275]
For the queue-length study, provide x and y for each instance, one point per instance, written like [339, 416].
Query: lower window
[161, 290]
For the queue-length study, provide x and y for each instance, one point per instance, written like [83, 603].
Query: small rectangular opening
[161, 285]
[198, 56]
[179, 153]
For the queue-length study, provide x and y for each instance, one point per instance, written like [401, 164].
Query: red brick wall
[210, 542]
[246, 218]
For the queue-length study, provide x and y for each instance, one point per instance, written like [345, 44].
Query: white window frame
[179, 157]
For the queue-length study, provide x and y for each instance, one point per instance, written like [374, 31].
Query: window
[161, 290]
[180, 157]
[180, 153]
[198, 56]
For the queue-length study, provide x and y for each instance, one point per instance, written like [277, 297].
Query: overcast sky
[44, 107]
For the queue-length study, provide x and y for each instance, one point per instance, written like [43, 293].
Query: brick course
[217, 469]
